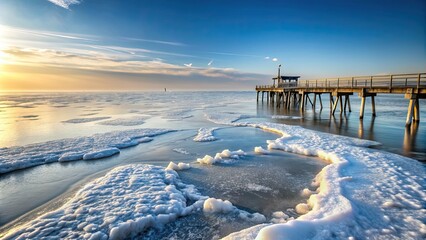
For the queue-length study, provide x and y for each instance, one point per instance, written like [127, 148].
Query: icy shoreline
[72, 149]
[362, 193]
[124, 203]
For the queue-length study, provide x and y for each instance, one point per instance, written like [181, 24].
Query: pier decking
[287, 93]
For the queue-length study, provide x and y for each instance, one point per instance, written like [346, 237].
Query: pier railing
[417, 80]
[378, 81]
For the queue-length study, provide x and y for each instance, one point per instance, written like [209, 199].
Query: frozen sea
[94, 165]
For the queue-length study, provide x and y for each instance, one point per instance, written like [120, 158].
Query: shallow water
[256, 183]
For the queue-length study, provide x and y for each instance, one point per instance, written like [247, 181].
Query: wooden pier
[289, 91]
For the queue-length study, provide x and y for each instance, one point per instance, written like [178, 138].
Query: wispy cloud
[64, 3]
[155, 41]
[99, 62]
[24, 33]
[236, 54]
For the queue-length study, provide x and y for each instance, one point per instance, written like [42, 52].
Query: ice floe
[121, 204]
[102, 153]
[71, 149]
[131, 121]
[85, 120]
[225, 156]
[225, 118]
[205, 135]
[363, 193]
[124, 203]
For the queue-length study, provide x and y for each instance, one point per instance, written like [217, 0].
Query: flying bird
[210, 63]
[188, 64]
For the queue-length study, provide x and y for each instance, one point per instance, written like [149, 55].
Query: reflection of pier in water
[408, 142]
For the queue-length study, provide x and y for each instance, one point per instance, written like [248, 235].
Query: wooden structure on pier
[289, 91]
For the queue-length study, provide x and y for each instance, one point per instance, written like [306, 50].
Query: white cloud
[64, 3]
[274, 59]
[267, 58]
[98, 61]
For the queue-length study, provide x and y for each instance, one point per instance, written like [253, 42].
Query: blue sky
[150, 44]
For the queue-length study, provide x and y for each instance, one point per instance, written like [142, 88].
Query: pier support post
[262, 95]
[417, 111]
[349, 104]
[331, 102]
[257, 96]
[319, 96]
[315, 102]
[341, 103]
[410, 113]
[335, 105]
[361, 109]
[302, 106]
[373, 106]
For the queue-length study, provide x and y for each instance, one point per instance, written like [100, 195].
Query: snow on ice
[71, 149]
[178, 167]
[121, 204]
[205, 135]
[131, 121]
[363, 193]
[260, 150]
[124, 203]
[85, 120]
[225, 156]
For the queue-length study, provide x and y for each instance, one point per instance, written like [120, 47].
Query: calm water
[40, 117]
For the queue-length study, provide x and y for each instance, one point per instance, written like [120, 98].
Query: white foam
[70, 149]
[260, 150]
[178, 167]
[225, 156]
[213, 205]
[205, 135]
[122, 204]
[362, 193]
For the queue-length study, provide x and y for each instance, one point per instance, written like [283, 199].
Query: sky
[66, 45]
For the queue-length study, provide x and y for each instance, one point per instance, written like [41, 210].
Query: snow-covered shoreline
[362, 193]
[124, 203]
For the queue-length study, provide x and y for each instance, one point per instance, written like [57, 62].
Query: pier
[289, 91]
